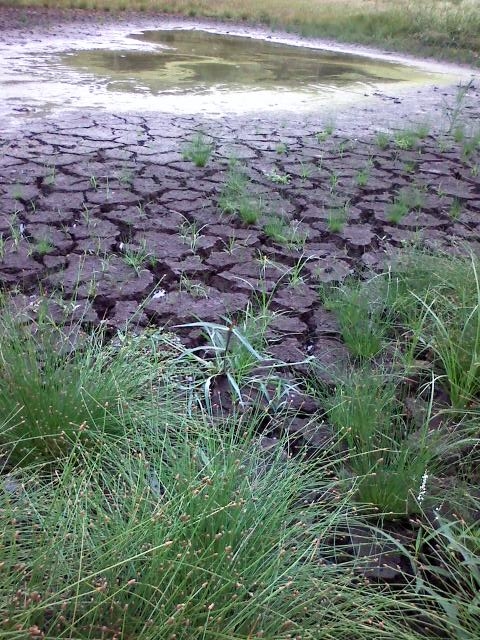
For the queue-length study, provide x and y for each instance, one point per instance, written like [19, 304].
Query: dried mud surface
[81, 192]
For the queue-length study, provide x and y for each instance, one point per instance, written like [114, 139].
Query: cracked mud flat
[81, 190]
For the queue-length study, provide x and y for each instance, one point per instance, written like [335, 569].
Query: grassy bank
[135, 511]
[445, 29]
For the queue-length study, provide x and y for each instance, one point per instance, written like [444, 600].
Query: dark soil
[98, 188]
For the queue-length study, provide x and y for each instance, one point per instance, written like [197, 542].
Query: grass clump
[438, 299]
[250, 209]
[362, 313]
[284, 231]
[428, 306]
[382, 140]
[179, 528]
[138, 257]
[278, 178]
[198, 150]
[387, 465]
[276, 228]
[164, 519]
[234, 188]
[41, 247]
[362, 177]
[407, 199]
[415, 334]
[405, 140]
[59, 390]
[234, 358]
[337, 218]
[450, 570]
[397, 210]
[235, 197]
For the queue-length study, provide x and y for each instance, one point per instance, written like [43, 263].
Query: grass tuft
[59, 391]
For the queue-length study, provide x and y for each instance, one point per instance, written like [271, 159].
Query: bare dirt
[81, 191]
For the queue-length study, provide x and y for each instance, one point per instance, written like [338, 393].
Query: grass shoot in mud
[337, 218]
[237, 198]
[138, 257]
[362, 177]
[278, 229]
[42, 247]
[198, 150]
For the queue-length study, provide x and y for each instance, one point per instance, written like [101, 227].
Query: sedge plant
[58, 389]
[178, 529]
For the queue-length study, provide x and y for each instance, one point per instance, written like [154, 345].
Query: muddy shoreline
[29, 35]
[82, 190]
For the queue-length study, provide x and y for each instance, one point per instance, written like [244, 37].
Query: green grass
[58, 391]
[438, 299]
[451, 573]
[433, 298]
[177, 529]
[234, 357]
[198, 150]
[42, 247]
[470, 143]
[387, 466]
[362, 177]
[456, 209]
[382, 140]
[337, 218]
[418, 321]
[276, 228]
[405, 140]
[250, 209]
[405, 201]
[191, 233]
[138, 257]
[284, 232]
[234, 188]
[129, 510]
[323, 135]
[165, 525]
[278, 178]
[362, 315]
[236, 197]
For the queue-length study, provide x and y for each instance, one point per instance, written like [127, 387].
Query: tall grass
[175, 524]
[450, 571]
[179, 530]
[363, 314]
[58, 389]
[413, 330]
[438, 299]
[385, 462]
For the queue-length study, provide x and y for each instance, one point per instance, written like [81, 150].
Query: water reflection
[198, 62]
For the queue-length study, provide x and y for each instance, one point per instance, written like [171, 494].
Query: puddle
[189, 68]
[199, 62]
